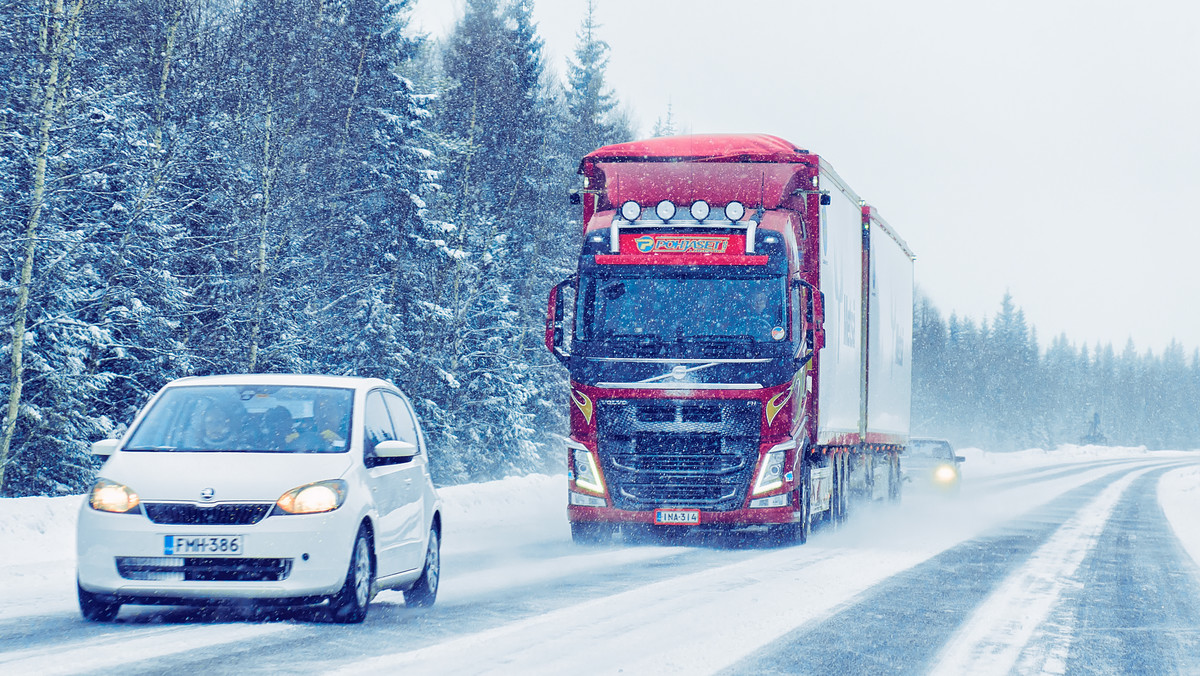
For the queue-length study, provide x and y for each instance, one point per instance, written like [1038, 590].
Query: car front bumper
[124, 556]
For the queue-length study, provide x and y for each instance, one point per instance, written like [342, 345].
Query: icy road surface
[1080, 560]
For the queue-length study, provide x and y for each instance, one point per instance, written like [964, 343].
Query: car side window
[402, 419]
[377, 427]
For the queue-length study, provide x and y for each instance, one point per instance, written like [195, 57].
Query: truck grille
[230, 514]
[169, 568]
[678, 453]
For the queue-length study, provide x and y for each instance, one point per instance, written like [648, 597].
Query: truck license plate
[203, 545]
[676, 517]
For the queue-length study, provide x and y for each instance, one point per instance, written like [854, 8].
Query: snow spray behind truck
[738, 335]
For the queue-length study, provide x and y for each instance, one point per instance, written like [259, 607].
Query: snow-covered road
[1080, 559]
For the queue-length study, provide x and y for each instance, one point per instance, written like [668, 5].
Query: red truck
[738, 334]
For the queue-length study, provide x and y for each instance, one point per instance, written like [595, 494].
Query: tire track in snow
[701, 622]
[114, 649]
[901, 624]
[992, 639]
[1135, 604]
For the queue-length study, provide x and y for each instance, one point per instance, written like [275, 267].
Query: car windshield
[681, 309]
[927, 449]
[247, 418]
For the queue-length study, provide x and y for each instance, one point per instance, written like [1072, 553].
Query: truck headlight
[770, 472]
[110, 496]
[322, 496]
[587, 473]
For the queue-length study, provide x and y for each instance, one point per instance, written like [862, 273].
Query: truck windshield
[682, 309]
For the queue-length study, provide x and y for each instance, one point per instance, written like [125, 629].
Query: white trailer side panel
[840, 363]
[889, 361]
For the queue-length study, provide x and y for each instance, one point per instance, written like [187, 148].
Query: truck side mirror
[818, 301]
[555, 321]
[814, 316]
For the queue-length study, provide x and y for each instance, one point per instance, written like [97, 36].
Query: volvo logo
[208, 494]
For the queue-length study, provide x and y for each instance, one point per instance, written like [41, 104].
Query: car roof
[292, 379]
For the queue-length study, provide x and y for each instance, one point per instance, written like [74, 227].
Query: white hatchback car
[289, 489]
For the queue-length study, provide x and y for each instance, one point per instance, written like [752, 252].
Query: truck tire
[591, 533]
[804, 528]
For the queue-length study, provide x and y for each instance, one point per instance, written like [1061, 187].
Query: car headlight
[945, 473]
[322, 496]
[110, 496]
[770, 473]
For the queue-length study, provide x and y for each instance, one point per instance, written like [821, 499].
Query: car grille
[169, 568]
[226, 514]
[678, 453]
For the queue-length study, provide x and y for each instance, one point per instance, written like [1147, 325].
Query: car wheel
[424, 591]
[349, 605]
[95, 609]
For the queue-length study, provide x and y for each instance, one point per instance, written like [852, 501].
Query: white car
[288, 489]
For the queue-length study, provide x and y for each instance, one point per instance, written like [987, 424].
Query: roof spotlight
[631, 210]
[700, 210]
[665, 210]
[734, 211]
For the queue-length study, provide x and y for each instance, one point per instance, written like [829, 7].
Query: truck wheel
[591, 533]
[94, 609]
[349, 605]
[804, 528]
[424, 591]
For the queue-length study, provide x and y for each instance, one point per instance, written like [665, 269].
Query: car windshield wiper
[151, 448]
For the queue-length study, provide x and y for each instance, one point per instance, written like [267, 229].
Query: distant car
[286, 489]
[931, 463]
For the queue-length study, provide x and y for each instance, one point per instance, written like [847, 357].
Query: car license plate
[203, 545]
[676, 517]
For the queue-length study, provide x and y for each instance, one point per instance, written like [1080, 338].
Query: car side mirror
[395, 448]
[959, 458]
[105, 447]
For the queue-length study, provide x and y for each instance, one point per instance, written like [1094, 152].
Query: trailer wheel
[839, 501]
[894, 479]
[591, 533]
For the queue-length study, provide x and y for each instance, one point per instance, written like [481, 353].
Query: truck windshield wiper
[644, 338]
[714, 338]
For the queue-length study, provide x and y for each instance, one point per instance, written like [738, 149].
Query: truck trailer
[738, 334]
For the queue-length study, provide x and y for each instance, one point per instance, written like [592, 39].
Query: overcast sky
[1049, 148]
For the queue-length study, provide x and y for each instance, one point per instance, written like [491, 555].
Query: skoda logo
[207, 494]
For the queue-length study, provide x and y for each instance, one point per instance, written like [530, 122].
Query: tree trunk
[55, 39]
[263, 222]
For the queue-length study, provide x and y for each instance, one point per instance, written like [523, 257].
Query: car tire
[349, 605]
[424, 591]
[94, 608]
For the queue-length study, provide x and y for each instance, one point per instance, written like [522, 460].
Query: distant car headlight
[322, 496]
[110, 496]
[945, 474]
